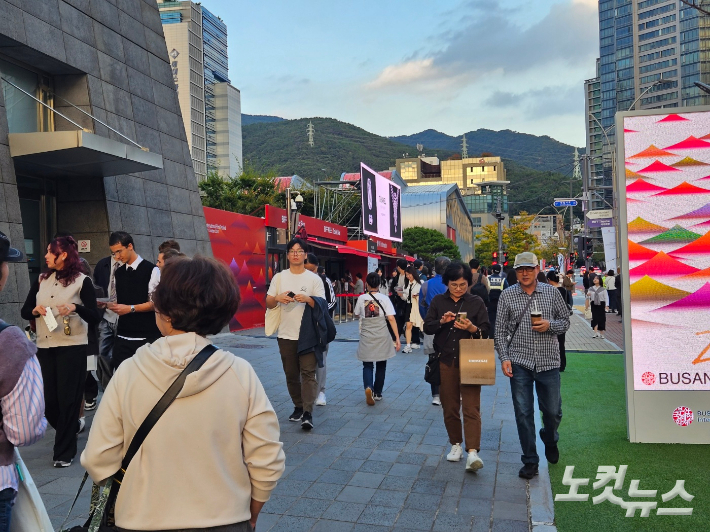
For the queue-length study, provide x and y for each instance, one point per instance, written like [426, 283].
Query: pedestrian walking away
[498, 283]
[292, 290]
[222, 433]
[612, 291]
[530, 316]
[569, 285]
[375, 311]
[63, 304]
[454, 316]
[598, 300]
[432, 288]
[554, 280]
[412, 318]
[312, 266]
[22, 419]
[135, 282]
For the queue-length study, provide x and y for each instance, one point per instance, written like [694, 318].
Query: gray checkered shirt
[530, 349]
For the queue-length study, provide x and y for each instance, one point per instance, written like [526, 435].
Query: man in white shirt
[293, 289]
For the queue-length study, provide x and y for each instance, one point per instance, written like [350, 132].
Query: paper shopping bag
[477, 362]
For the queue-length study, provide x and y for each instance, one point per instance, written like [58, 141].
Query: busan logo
[683, 416]
[648, 378]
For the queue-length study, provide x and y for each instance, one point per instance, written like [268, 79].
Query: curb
[541, 507]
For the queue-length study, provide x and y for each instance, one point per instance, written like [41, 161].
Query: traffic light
[495, 258]
[505, 258]
[588, 247]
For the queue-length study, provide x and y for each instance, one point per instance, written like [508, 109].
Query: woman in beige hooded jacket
[214, 457]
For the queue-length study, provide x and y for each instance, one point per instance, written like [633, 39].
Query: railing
[344, 308]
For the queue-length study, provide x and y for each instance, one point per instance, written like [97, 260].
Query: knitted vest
[15, 351]
[132, 289]
[51, 294]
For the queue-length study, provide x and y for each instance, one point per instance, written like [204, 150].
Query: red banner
[239, 240]
[276, 217]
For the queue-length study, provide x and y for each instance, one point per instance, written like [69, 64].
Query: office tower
[197, 46]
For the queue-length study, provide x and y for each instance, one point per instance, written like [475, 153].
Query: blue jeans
[7, 496]
[368, 368]
[547, 384]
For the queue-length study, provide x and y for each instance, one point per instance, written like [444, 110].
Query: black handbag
[101, 514]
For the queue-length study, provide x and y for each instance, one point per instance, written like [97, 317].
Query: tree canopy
[427, 244]
[515, 239]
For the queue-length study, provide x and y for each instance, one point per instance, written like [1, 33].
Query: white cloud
[404, 73]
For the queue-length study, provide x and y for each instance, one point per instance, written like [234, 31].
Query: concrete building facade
[124, 166]
[197, 44]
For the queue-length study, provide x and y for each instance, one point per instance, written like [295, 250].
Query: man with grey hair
[530, 316]
[432, 287]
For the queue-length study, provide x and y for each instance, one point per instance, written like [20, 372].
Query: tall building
[595, 142]
[481, 181]
[123, 166]
[197, 46]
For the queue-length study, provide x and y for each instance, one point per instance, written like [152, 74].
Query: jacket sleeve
[560, 314]
[30, 303]
[88, 311]
[263, 452]
[480, 319]
[432, 321]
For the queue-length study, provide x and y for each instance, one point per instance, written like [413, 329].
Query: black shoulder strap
[160, 408]
[520, 318]
[4, 326]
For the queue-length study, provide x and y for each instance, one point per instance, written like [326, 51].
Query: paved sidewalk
[579, 337]
[366, 468]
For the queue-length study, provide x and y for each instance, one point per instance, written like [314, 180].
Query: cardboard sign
[477, 362]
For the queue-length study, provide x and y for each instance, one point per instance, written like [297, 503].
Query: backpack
[480, 290]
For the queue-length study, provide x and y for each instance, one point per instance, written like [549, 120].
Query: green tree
[428, 244]
[516, 239]
[551, 250]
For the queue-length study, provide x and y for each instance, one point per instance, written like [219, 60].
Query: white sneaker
[321, 399]
[415, 346]
[455, 454]
[82, 425]
[601, 336]
[435, 400]
[473, 462]
[406, 349]
[595, 335]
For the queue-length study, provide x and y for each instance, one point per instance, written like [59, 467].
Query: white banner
[609, 237]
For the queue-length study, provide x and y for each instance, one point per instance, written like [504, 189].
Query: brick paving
[579, 337]
[364, 468]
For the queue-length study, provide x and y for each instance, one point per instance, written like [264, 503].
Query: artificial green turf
[593, 433]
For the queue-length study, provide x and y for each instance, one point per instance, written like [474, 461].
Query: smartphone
[291, 294]
[461, 316]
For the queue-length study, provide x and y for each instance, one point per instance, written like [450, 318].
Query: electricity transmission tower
[464, 148]
[310, 130]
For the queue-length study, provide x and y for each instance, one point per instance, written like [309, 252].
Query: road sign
[565, 202]
[601, 213]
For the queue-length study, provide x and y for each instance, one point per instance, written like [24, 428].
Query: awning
[78, 153]
[347, 250]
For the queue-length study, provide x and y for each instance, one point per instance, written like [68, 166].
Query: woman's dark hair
[570, 271]
[198, 295]
[373, 280]
[610, 272]
[455, 271]
[72, 264]
[597, 277]
[170, 253]
[552, 276]
[414, 272]
[402, 263]
[541, 278]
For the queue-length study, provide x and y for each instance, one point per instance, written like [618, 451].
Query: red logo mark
[683, 416]
[648, 378]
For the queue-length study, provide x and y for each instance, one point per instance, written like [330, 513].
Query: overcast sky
[398, 67]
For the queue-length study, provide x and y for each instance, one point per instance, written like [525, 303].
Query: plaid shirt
[530, 349]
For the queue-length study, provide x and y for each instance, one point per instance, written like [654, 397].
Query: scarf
[596, 293]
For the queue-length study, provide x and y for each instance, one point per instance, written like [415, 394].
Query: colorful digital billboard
[666, 166]
[381, 205]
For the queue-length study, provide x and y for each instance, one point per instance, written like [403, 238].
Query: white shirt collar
[135, 264]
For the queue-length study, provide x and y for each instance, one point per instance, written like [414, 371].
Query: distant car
[583, 269]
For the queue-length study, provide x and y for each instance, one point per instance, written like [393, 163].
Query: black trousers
[563, 353]
[64, 375]
[91, 387]
[124, 349]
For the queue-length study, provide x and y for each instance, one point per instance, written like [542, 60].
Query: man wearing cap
[22, 419]
[497, 283]
[529, 354]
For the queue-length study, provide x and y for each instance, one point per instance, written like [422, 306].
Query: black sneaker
[552, 453]
[90, 405]
[297, 415]
[307, 421]
[528, 471]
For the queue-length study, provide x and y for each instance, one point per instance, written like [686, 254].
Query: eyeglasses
[462, 286]
[296, 252]
[524, 269]
[67, 328]
[118, 252]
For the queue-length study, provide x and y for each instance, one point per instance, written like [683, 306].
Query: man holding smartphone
[293, 289]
